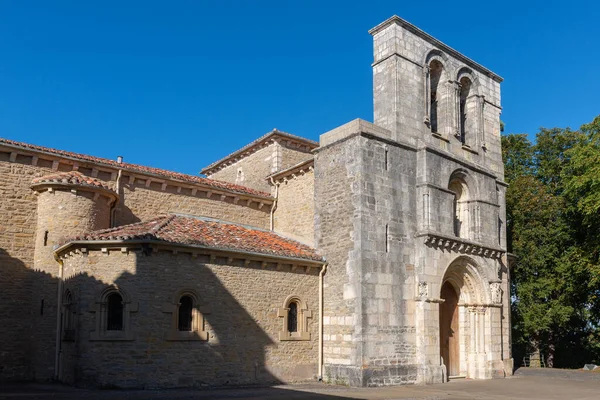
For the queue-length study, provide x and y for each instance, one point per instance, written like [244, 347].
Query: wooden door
[449, 346]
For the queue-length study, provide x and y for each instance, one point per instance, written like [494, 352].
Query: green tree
[582, 188]
[551, 304]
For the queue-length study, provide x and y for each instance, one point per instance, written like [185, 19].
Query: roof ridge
[154, 230]
[133, 224]
[256, 142]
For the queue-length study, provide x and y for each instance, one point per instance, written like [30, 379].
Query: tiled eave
[275, 136]
[215, 189]
[459, 245]
[292, 172]
[74, 188]
[211, 254]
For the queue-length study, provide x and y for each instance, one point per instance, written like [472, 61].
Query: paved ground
[527, 384]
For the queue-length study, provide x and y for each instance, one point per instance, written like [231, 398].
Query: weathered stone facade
[294, 190]
[408, 213]
[240, 318]
[420, 197]
[29, 285]
[269, 154]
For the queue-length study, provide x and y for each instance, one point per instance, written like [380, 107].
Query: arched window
[295, 316]
[113, 315]
[465, 109]
[435, 74]
[114, 312]
[460, 207]
[185, 315]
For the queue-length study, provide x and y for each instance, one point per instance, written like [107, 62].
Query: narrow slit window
[386, 159]
[46, 238]
[293, 317]
[186, 306]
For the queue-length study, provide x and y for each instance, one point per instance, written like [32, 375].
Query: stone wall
[365, 201]
[295, 214]
[291, 157]
[17, 235]
[336, 237]
[252, 170]
[239, 302]
[22, 308]
[141, 201]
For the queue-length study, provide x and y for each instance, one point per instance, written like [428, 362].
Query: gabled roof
[255, 145]
[71, 178]
[207, 233]
[230, 187]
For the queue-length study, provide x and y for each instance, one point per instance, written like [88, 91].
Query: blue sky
[179, 84]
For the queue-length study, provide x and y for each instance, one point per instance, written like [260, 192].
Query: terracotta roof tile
[71, 178]
[206, 232]
[140, 168]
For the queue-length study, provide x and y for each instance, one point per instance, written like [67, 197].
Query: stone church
[375, 256]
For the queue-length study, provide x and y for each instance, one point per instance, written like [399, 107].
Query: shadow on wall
[235, 354]
[149, 357]
[15, 317]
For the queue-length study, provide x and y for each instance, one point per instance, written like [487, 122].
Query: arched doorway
[464, 325]
[449, 330]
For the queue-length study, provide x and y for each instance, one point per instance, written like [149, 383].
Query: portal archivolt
[463, 318]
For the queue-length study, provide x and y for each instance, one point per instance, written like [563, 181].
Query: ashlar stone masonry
[376, 256]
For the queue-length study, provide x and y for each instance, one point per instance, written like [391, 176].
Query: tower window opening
[435, 73]
[466, 119]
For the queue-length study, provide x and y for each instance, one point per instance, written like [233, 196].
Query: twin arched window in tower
[453, 105]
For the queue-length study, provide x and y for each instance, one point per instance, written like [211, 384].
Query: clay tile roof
[71, 178]
[206, 232]
[139, 168]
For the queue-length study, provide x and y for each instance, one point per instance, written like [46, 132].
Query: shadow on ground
[30, 391]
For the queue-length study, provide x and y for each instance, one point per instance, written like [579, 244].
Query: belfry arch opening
[465, 112]
[435, 74]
